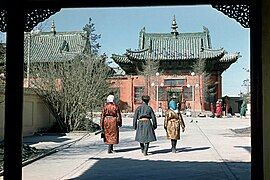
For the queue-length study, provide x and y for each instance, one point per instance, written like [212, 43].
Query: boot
[145, 149]
[173, 141]
[110, 147]
[142, 147]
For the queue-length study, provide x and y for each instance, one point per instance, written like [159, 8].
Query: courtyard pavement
[208, 149]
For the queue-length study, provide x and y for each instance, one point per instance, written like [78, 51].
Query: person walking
[188, 110]
[219, 109]
[212, 108]
[110, 122]
[172, 122]
[144, 122]
[243, 109]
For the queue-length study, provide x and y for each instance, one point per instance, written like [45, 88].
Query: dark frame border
[14, 82]
[257, 160]
[115, 3]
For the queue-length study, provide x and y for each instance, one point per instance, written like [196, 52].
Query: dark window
[188, 93]
[174, 82]
[202, 43]
[138, 92]
[162, 94]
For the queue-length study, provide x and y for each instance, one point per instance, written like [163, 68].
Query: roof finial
[174, 27]
[53, 28]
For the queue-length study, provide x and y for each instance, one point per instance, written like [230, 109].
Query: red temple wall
[127, 84]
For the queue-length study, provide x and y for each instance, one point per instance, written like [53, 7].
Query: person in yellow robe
[172, 122]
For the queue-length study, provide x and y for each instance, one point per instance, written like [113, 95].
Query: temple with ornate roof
[42, 47]
[46, 47]
[175, 53]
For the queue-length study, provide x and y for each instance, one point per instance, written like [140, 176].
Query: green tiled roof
[121, 58]
[183, 47]
[48, 47]
[174, 55]
[167, 46]
[230, 57]
[125, 63]
[226, 61]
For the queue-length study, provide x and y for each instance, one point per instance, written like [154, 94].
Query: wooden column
[132, 94]
[14, 92]
[219, 90]
[266, 86]
[257, 106]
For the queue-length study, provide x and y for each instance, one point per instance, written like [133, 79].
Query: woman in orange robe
[110, 122]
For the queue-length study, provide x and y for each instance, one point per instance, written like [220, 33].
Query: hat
[145, 98]
[174, 96]
[172, 105]
[110, 98]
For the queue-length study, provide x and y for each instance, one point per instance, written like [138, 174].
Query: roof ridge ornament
[174, 27]
[141, 41]
[53, 28]
[205, 29]
[143, 30]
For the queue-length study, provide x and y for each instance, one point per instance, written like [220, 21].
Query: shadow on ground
[44, 138]
[247, 148]
[185, 149]
[131, 149]
[122, 168]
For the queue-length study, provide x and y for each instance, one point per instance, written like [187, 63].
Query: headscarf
[110, 98]
[173, 105]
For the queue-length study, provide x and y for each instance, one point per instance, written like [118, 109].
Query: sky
[120, 27]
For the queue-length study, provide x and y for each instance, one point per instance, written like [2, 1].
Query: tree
[2, 62]
[149, 69]
[2, 59]
[92, 38]
[72, 88]
[208, 88]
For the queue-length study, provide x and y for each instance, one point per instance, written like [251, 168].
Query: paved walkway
[207, 150]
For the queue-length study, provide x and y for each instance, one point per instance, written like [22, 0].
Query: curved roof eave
[121, 59]
[146, 54]
[212, 53]
[230, 58]
[128, 51]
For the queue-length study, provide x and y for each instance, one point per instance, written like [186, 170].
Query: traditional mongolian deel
[111, 120]
[172, 123]
[145, 123]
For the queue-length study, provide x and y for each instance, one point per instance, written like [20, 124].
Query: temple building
[163, 67]
[44, 47]
[53, 46]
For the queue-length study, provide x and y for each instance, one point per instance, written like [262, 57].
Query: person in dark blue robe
[144, 122]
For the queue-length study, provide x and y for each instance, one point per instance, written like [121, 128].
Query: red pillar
[132, 94]
[219, 89]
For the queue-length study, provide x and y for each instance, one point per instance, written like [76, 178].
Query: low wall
[35, 114]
